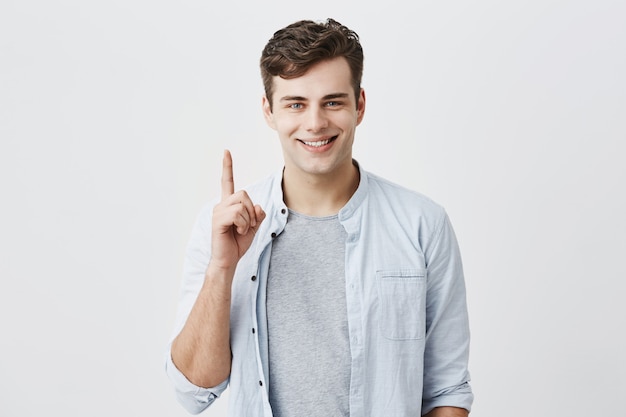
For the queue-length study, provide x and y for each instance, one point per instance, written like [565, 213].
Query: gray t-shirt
[309, 351]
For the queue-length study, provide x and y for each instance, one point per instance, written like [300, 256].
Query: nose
[316, 120]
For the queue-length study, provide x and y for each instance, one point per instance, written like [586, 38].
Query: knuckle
[242, 195]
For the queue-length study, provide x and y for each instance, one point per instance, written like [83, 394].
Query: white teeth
[317, 144]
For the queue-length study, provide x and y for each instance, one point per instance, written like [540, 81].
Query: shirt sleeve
[446, 375]
[193, 398]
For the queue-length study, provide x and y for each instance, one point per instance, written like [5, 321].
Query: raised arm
[201, 351]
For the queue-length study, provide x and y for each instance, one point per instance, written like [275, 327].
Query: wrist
[217, 272]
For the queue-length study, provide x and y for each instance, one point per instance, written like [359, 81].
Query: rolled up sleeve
[193, 398]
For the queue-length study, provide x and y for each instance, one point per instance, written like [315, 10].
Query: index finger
[228, 183]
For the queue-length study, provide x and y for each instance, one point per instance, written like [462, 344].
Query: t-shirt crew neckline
[312, 218]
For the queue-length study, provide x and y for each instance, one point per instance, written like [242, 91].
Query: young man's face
[315, 116]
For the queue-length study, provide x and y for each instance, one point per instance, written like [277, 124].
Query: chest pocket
[403, 303]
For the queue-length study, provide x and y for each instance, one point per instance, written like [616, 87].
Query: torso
[309, 351]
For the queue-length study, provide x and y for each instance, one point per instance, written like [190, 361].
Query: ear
[267, 113]
[360, 107]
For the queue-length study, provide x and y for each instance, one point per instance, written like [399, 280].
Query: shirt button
[261, 383]
[273, 235]
[283, 211]
[253, 331]
[253, 277]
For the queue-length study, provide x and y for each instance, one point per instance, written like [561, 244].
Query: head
[292, 51]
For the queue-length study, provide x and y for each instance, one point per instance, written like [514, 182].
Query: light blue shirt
[405, 294]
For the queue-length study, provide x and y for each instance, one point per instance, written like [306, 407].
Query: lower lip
[319, 149]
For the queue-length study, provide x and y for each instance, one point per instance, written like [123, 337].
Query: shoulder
[387, 192]
[264, 187]
[403, 212]
[267, 192]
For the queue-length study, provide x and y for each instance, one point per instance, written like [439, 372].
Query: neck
[320, 195]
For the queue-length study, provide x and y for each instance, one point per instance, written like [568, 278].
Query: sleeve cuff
[462, 397]
[192, 397]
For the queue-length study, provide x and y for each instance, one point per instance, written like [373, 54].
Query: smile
[319, 143]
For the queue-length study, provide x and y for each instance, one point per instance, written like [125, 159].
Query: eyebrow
[326, 97]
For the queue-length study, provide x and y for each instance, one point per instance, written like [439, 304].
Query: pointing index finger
[228, 183]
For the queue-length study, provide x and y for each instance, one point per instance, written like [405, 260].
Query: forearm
[447, 412]
[201, 351]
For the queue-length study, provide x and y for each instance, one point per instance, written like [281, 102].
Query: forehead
[326, 77]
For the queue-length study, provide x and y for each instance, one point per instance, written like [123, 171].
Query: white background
[113, 117]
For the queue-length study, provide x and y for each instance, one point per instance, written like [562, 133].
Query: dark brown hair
[296, 48]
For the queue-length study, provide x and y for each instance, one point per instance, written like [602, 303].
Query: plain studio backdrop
[113, 118]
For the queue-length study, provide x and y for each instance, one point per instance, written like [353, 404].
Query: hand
[235, 221]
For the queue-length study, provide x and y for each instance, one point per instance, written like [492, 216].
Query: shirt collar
[278, 203]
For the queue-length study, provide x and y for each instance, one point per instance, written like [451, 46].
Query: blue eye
[333, 104]
[295, 106]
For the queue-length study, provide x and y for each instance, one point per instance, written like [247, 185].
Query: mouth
[318, 143]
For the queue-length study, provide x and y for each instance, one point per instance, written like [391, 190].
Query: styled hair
[293, 50]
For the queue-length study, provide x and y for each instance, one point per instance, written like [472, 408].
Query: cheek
[348, 121]
[286, 126]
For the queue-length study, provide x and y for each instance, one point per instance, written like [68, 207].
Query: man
[323, 290]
